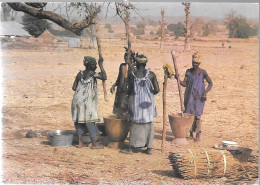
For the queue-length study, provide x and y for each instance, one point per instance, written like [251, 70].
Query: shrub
[136, 31]
[205, 29]
[238, 27]
[177, 29]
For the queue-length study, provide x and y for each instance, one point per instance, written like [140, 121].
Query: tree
[187, 26]
[34, 26]
[205, 29]
[90, 14]
[238, 26]
[162, 24]
[6, 10]
[254, 30]
[139, 30]
[177, 29]
[109, 27]
[197, 26]
[123, 11]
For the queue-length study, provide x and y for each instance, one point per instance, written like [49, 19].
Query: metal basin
[61, 137]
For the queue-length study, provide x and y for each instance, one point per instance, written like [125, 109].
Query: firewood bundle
[211, 163]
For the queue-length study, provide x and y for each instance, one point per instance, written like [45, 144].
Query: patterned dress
[195, 87]
[84, 104]
[142, 111]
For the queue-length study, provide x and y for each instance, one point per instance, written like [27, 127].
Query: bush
[151, 32]
[177, 29]
[108, 26]
[140, 26]
[239, 28]
[205, 29]
[139, 30]
[136, 31]
[254, 30]
[159, 32]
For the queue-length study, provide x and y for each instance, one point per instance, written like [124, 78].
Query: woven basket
[210, 163]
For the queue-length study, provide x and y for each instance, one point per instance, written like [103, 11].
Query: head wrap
[89, 60]
[196, 57]
[142, 59]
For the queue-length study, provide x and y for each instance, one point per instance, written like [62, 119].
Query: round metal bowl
[61, 137]
[229, 144]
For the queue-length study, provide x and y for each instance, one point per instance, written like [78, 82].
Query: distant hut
[47, 37]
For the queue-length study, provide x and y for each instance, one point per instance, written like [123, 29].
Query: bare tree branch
[76, 28]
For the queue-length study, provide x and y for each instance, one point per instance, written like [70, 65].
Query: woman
[195, 93]
[85, 100]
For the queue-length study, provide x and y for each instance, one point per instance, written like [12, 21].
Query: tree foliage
[109, 27]
[34, 26]
[238, 26]
[206, 30]
[177, 29]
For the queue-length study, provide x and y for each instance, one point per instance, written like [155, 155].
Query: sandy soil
[37, 96]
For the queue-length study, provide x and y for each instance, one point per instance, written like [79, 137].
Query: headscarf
[89, 60]
[142, 59]
[196, 57]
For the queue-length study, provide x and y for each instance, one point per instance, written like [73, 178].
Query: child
[84, 103]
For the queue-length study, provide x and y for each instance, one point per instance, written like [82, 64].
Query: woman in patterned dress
[84, 104]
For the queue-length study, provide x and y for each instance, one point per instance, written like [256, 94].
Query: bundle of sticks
[211, 163]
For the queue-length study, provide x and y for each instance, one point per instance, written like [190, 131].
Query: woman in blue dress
[142, 86]
[195, 93]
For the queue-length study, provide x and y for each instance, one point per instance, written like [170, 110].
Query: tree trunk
[187, 27]
[162, 28]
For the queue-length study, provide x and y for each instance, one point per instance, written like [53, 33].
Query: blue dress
[195, 87]
[142, 111]
[142, 105]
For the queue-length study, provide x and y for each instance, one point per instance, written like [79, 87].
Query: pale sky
[215, 10]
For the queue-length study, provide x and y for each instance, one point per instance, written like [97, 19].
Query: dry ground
[37, 96]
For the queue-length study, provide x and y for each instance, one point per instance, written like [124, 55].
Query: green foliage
[151, 32]
[239, 28]
[205, 29]
[139, 30]
[254, 30]
[136, 31]
[34, 26]
[109, 27]
[140, 25]
[177, 29]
